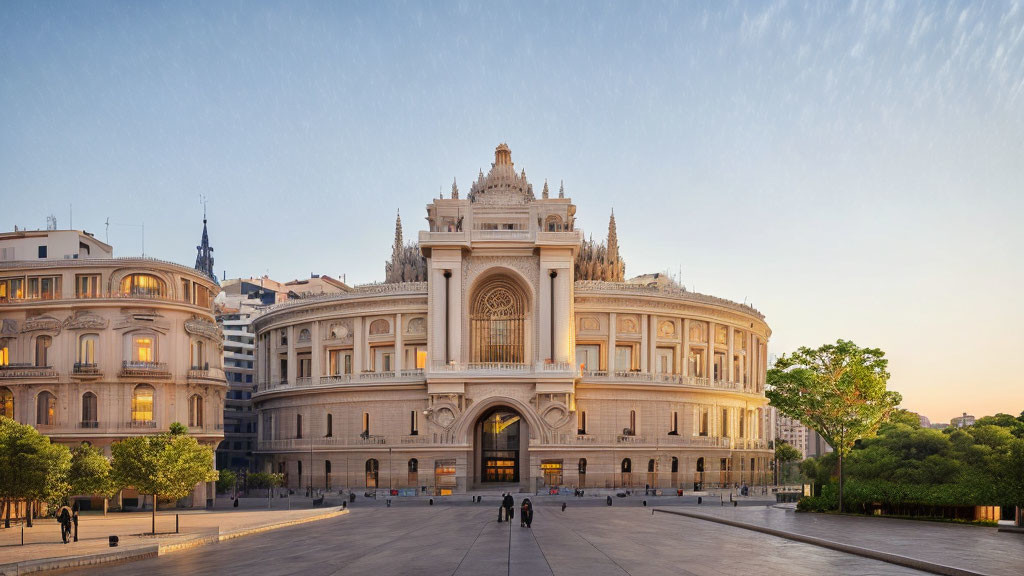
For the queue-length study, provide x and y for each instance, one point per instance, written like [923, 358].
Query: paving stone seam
[899, 560]
[473, 543]
[592, 545]
[44, 565]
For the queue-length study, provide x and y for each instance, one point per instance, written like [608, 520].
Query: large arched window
[42, 350]
[627, 465]
[46, 409]
[142, 404]
[90, 412]
[195, 410]
[414, 472]
[87, 349]
[143, 285]
[6, 403]
[498, 320]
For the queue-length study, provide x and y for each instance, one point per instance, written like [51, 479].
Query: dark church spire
[204, 256]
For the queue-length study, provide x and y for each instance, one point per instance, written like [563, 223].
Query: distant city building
[939, 426]
[96, 349]
[962, 421]
[242, 301]
[793, 432]
[816, 445]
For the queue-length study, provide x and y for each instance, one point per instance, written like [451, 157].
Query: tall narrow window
[674, 430]
[742, 427]
[413, 423]
[330, 425]
[198, 354]
[46, 409]
[87, 349]
[87, 286]
[298, 425]
[90, 414]
[371, 473]
[142, 404]
[327, 474]
[143, 349]
[5, 352]
[581, 428]
[704, 421]
[42, 350]
[195, 410]
[725, 422]
[366, 424]
[632, 422]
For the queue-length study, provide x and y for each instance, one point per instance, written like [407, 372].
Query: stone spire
[204, 256]
[544, 194]
[407, 264]
[561, 189]
[616, 271]
[396, 250]
[455, 190]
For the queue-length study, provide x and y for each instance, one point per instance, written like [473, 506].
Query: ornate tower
[204, 256]
[616, 270]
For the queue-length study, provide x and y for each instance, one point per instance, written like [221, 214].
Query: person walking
[510, 506]
[526, 513]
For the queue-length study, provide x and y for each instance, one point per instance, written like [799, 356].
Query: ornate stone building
[521, 359]
[95, 348]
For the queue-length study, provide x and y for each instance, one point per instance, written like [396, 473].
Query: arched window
[700, 464]
[582, 467]
[143, 285]
[627, 466]
[414, 465]
[87, 349]
[5, 352]
[6, 403]
[553, 223]
[675, 465]
[142, 404]
[498, 320]
[371, 473]
[304, 335]
[650, 465]
[198, 355]
[42, 350]
[414, 471]
[46, 409]
[90, 413]
[195, 410]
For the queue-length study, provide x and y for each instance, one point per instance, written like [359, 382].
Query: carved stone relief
[627, 325]
[380, 326]
[42, 324]
[85, 321]
[667, 329]
[589, 324]
[417, 326]
[203, 328]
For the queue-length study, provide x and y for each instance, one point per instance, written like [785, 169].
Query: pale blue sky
[854, 170]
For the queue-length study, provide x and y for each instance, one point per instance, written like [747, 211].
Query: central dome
[502, 185]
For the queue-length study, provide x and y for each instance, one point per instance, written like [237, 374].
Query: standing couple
[508, 507]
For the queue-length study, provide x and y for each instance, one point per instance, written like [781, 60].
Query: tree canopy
[168, 465]
[90, 472]
[31, 467]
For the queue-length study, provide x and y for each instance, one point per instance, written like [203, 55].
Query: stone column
[316, 354]
[611, 343]
[358, 343]
[686, 348]
[645, 343]
[292, 368]
[730, 336]
[710, 355]
[563, 316]
[399, 348]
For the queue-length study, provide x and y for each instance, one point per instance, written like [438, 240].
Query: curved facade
[504, 368]
[95, 349]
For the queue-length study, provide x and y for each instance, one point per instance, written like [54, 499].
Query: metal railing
[140, 424]
[88, 424]
[150, 369]
[27, 371]
[86, 368]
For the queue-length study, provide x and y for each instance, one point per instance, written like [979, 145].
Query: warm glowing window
[44, 287]
[87, 286]
[143, 349]
[46, 409]
[421, 359]
[87, 348]
[6, 403]
[143, 285]
[12, 288]
[142, 403]
[5, 353]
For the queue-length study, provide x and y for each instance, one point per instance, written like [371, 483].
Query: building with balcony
[95, 348]
[506, 352]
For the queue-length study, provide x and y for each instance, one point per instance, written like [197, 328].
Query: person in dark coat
[64, 518]
[501, 508]
[510, 506]
[526, 513]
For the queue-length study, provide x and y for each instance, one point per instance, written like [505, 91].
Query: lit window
[87, 348]
[87, 286]
[6, 403]
[5, 353]
[143, 285]
[42, 350]
[142, 349]
[46, 409]
[142, 403]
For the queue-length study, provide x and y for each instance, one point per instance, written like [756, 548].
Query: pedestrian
[501, 507]
[526, 513]
[510, 506]
[64, 518]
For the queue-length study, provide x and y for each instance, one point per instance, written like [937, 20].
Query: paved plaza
[587, 539]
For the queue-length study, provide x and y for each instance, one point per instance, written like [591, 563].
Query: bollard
[700, 500]
[352, 497]
[645, 503]
[735, 503]
[389, 502]
[344, 504]
[112, 540]
[22, 534]
[563, 506]
[609, 500]
[175, 523]
[431, 501]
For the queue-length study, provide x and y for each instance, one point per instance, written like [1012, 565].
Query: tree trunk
[7, 510]
[840, 482]
[28, 513]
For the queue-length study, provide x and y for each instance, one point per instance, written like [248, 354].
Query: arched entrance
[501, 434]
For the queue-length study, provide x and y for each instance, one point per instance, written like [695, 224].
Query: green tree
[839, 390]
[259, 480]
[1013, 425]
[168, 465]
[226, 481]
[31, 467]
[784, 455]
[903, 416]
[90, 473]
